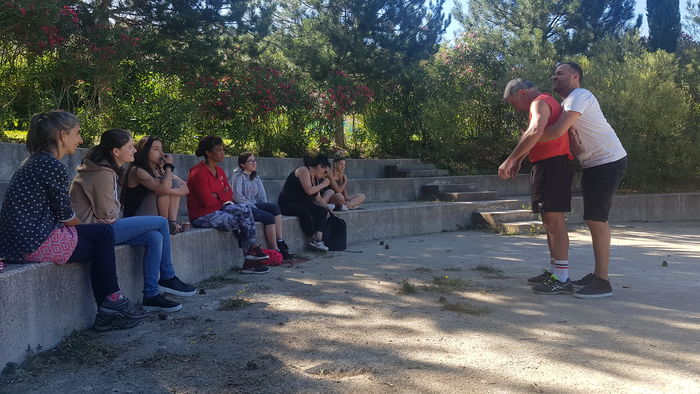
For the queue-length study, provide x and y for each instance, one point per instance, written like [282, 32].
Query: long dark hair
[44, 129]
[143, 148]
[110, 139]
[207, 144]
[241, 161]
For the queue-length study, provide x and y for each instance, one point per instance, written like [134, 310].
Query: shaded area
[338, 323]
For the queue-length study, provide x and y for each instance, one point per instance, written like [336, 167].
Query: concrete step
[432, 190]
[516, 215]
[530, 227]
[11, 156]
[424, 173]
[468, 196]
[457, 187]
[400, 170]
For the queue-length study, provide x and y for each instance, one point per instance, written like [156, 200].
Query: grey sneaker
[160, 304]
[585, 281]
[106, 322]
[552, 285]
[318, 245]
[536, 280]
[122, 306]
[597, 288]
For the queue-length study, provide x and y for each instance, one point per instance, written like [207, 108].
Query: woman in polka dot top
[36, 204]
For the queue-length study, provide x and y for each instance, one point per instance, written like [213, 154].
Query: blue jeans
[152, 233]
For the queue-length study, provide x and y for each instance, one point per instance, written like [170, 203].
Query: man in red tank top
[550, 179]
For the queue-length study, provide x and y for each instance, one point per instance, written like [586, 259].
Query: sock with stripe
[560, 268]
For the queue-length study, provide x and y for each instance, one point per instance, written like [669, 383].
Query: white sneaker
[344, 208]
[331, 206]
[318, 245]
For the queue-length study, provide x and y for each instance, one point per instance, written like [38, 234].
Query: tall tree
[370, 40]
[569, 25]
[664, 17]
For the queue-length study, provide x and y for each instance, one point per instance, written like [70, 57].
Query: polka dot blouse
[36, 202]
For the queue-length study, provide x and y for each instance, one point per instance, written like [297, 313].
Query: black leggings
[311, 216]
[96, 246]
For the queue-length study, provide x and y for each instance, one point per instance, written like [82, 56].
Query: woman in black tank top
[300, 197]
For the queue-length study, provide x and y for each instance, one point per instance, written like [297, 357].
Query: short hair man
[550, 179]
[604, 162]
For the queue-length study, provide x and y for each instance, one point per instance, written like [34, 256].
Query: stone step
[424, 173]
[515, 215]
[11, 156]
[468, 196]
[457, 187]
[530, 227]
[399, 170]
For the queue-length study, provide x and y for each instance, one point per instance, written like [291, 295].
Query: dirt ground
[439, 313]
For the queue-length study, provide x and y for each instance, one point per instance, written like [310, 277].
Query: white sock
[561, 269]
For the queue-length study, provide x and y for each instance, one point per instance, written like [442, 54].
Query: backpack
[275, 257]
[335, 233]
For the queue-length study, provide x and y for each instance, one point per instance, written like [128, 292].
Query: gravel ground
[439, 313]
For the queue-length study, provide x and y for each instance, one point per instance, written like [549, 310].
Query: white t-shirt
[592, 140]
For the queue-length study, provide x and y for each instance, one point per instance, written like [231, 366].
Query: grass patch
[445, 284]
[81, 347]
[453, 269]
[422, 269]
[406, 287]
[217, 281]
[465, 307]
[233, 304]
[491, 272]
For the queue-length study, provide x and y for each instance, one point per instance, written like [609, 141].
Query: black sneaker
[285, 254]
[585, 281]
[114, 321]
[253, 267]
[597, 288]
[536, 280]
[177, 287]
[161, 304]
[255, 253]
[552, 285]
[283, 245]
[122, 306]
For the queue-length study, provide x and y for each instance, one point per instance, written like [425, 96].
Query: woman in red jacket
[210, 203]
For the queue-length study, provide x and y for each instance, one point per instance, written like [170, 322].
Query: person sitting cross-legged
[210, 204]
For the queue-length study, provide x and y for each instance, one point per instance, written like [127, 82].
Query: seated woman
[210, 204]
[248, 189]
[337, 192]
[36, 215]
[300, 197]
[151, 190]
[94, 199]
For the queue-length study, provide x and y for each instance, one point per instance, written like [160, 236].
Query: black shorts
[599, 184]
[550, 184]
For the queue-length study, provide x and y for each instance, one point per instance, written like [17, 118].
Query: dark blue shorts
[265, 212]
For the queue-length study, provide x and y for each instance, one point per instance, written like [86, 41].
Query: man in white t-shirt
[596, 146]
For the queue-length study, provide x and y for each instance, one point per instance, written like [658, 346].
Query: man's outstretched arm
[539, 115]
[561, 126]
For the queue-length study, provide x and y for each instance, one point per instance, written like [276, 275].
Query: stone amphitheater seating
[40, 304]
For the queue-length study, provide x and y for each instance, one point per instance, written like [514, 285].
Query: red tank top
[555, 147]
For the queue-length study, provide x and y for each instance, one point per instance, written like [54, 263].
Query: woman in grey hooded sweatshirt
[248, 189]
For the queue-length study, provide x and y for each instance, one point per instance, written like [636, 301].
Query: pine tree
[664, 19]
